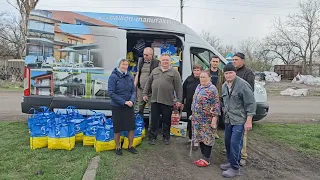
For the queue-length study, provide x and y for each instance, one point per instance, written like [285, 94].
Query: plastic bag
[140, 123]
[61, 133]
[105, 136]
[37, 124]
[176, 114]
[38, 133]
[77, 119]
[137, 140]
[91, 124]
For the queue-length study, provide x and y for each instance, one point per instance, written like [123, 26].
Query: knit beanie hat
[229, 67]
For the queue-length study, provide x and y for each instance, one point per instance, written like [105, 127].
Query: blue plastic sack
[77, 119]
[91, 124]
[61, 133]
[105, 136]
[138, 133]
[37, 125]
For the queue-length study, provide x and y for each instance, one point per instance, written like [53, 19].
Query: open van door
[112, 44]
[82, 82]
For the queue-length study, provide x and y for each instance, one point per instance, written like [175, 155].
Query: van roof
[122, 21]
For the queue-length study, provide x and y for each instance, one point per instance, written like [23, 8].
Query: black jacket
[246, 74]
[153, 65]
[189, 87]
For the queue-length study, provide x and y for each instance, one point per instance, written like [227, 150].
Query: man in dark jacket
[189, 87]
[245, 73]
[145, 67]
[217, 79]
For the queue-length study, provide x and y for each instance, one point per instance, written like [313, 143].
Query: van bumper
[35, 102]
[261, 111]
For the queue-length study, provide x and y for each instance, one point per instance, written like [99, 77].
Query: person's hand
[145, 98]
[214, 122]
[129, 103]
[248, 126]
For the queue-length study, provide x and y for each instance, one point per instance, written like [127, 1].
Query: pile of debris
[272, 76]
[307, 79]
[295, 92]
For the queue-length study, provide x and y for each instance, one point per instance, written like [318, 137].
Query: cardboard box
[179, 130]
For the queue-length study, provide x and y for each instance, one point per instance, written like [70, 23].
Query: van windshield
[201, 56]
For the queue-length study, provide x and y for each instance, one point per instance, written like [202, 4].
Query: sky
[229, 20]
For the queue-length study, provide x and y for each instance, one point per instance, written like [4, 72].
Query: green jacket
[220, 82]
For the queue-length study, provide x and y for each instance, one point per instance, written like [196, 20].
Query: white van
[70, 56]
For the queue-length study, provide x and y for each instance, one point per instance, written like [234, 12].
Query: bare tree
[24, 7]
[256, 57]
[297, 38]
[214, 41]
[12, 42]
[225, 50]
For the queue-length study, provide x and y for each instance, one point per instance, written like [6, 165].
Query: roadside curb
[91, 171]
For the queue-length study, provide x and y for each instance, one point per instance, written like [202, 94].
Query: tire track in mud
[280, 162]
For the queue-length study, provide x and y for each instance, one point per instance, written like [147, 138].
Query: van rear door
[79, 78]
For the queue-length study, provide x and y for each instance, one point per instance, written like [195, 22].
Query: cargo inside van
[160, 42]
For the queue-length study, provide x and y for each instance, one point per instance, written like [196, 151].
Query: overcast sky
[230, 20]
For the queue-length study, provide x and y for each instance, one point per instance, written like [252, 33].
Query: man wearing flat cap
[245, 73]
[239, 107]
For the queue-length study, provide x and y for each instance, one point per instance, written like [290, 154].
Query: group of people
[208, 96]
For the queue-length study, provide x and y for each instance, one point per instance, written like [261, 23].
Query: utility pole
[181, 11]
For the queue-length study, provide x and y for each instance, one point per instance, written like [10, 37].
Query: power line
[231, 11]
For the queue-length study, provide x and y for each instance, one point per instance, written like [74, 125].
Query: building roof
[58, 30]
[71, 17]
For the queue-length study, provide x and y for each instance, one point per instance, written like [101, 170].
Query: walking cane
[191, 143]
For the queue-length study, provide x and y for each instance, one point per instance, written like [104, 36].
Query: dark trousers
[158, 110]
[233, 135]
[189, 128]
[206, 151]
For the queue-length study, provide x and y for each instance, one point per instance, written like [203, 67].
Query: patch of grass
[304, 138]
[112, 166]
[7, 85]
[18, 161]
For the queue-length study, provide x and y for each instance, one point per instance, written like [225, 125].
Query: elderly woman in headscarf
[205, 111]
[122, 92]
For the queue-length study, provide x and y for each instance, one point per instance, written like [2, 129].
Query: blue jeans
[233, 142]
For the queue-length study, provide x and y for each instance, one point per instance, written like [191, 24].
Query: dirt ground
[267, 160]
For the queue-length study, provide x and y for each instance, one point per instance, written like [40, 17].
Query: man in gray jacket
[163, 82]
[239, 107]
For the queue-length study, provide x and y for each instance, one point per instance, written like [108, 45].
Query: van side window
[201, 56]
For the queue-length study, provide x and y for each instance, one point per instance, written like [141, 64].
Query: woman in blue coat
[122, 92]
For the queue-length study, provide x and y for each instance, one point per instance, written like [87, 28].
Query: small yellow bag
[38, 142]
[136, 142]
[79, 137]
[88, 140]
[62, 143]
[104, 146]
[143, 133]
